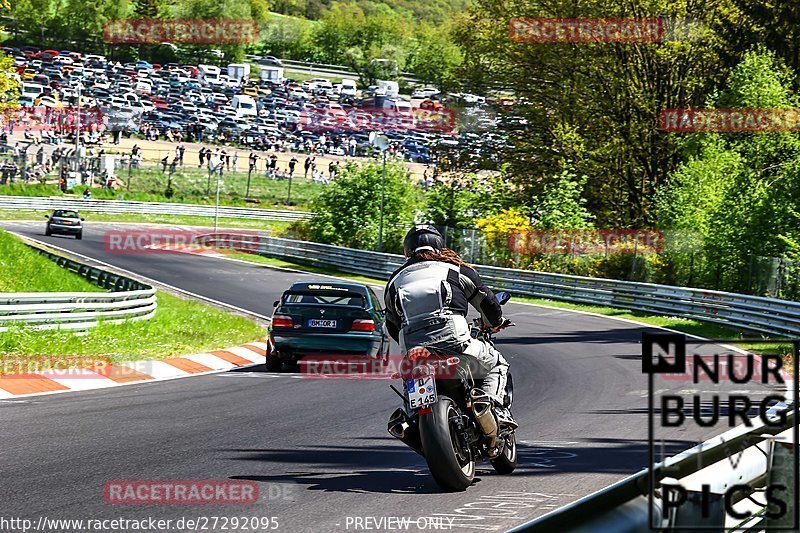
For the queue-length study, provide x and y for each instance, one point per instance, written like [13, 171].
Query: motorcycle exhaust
[482, 409]
[405, 430]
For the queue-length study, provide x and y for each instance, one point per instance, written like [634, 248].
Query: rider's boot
[504, 418]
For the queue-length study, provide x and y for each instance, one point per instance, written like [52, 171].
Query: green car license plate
[319, 323]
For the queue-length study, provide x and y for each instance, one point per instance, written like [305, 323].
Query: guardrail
[752, 313]
[325, 68]
[129, 300]
[148, 208]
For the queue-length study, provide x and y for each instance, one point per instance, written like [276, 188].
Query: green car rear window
[322, 298]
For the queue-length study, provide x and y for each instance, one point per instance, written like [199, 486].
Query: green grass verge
[191, 186]
[179, 326]
[25, 270]
[272, 261]
[684, 325]
[275, 227]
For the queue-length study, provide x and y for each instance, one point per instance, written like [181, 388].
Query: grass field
[25, 270]
[275, 227]
[192, 185]
[179, 326]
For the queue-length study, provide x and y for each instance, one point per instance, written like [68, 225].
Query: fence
[752, 313]
[150, 208]
[129, 300]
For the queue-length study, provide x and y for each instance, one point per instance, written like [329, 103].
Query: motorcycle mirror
[503, 297]
[275, 303]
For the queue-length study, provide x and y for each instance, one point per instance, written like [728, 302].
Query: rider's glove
[503, 324]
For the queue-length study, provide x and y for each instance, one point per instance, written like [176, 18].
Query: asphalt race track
[319, 448]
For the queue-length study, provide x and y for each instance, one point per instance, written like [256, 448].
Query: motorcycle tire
[452, 465]
[506, 462]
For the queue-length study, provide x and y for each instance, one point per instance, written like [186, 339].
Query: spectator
[179, 154]
[202, 156]
[353, 143]
[87, 194]
[307, 166]
[292, 163]
[273, 163]
[164, 163]
[235, 160]
[253, 160]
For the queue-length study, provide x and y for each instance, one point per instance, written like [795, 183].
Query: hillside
[433, 11]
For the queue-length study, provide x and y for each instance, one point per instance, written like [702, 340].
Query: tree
[594, 107]
[739, 191]
[9, 87]
[561, 205]
[348, 211]
[774, 24]
[435, 58]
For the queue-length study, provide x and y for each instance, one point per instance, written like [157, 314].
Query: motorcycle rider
[427, 300]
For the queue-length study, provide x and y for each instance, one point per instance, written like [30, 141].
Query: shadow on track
[629, 335]
[395, 469]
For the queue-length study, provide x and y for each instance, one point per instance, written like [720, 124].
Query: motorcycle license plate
[421, 391]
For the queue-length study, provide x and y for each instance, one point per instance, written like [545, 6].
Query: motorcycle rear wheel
[450, 460]
[506, 462]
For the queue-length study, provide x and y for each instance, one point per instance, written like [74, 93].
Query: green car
[326, 319]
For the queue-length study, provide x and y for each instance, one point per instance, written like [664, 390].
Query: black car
[64, 222]
[326, 319]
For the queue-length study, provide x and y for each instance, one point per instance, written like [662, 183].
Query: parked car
[337, 319]
[64, 222]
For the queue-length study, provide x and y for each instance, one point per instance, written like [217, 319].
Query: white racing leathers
[427, 304]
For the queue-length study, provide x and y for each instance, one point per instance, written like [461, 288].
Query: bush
[348, 211]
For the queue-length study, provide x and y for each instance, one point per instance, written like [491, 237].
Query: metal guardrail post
[692, 513]
[782, 472]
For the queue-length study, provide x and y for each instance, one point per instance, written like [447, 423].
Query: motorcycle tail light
[362, 325]
[418, 353]
[421, 371]
[282, 321]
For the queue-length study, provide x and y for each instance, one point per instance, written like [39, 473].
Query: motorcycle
[448, 419]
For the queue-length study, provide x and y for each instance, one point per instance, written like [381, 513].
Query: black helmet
[422, 236]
